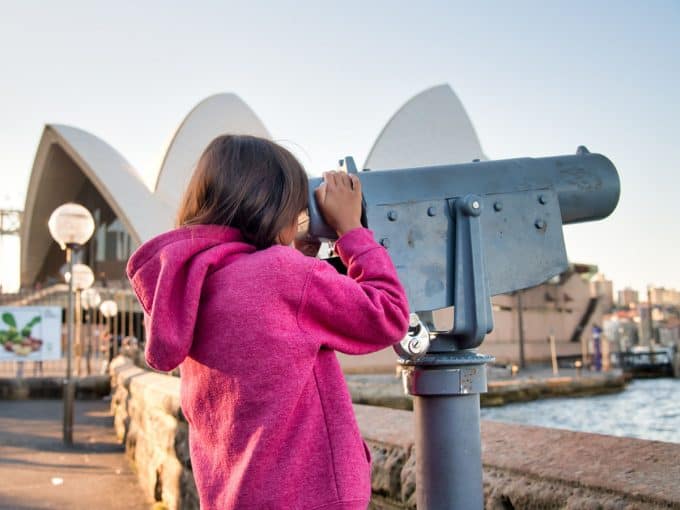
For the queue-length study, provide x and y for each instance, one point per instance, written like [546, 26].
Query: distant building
[645, 324]
[669, 332]
[673, 298]
[604, 289]
[622, 329]
[564, 307]
[662, 296]
[628, 298]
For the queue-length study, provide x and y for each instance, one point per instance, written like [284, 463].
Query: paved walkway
[38, 472]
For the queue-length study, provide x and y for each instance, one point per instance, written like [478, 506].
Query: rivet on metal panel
[540, 224]
[392, 215]
[471, 205]
[385, 242]
[543, 199]
[498, 206]
[431, 211]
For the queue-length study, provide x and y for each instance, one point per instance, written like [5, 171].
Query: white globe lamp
[71, 225]
[90, 298]
[108, 308]
[83, 277]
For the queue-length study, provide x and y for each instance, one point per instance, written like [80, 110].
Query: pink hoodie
[254, 332]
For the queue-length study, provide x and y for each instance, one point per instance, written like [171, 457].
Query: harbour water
[646, 409]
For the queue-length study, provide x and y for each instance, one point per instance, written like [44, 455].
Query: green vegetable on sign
[9, 319]
[21, 342]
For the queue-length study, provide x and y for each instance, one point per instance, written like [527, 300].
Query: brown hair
[248, 183]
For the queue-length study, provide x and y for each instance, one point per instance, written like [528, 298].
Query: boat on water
[650, 361]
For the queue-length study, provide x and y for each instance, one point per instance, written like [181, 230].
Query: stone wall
[149, 421]
[524, 467]
[532, 467]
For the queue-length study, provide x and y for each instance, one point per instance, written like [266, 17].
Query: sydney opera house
[72, 164]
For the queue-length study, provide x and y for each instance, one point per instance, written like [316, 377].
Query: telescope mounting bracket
[473, 317]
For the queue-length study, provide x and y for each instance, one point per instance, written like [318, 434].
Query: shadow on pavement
[39, 472]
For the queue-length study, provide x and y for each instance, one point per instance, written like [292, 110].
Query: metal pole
[69, 389]
[115, 334]
[103, 325]
[446, 390]
[553, 354]
[106, 345]
[78, 345]
[100, 332]
[131, 331]
[123, 317]
[138, 331]
[651, 322]
[520, 320]
[584, 351]
[88, 355]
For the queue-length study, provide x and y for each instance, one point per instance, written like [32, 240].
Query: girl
[253, 325]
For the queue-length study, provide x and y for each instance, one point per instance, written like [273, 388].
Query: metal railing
[103, 337]
[52, 368]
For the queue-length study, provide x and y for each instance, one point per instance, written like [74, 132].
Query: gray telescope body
[459, 234]
[465, 232]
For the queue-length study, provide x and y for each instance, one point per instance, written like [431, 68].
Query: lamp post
[83, 278]
[71, 225]
[90, 300]
[109, 309]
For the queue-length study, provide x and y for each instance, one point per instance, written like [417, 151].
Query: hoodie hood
[167, 275]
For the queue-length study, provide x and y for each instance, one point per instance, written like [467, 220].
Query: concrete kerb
[387, 390]
[87, 387]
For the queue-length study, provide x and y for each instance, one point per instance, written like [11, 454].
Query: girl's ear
[287, 235]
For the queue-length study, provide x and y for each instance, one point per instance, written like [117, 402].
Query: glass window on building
[113, 242]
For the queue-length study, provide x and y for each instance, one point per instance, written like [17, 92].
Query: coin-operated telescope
[459, 234]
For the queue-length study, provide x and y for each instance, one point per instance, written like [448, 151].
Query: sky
[536, 79]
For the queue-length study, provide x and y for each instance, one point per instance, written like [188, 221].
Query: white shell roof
[144, 213]
[216, 115]
[432, 128]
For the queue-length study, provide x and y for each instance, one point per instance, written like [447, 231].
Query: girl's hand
[339, 199]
